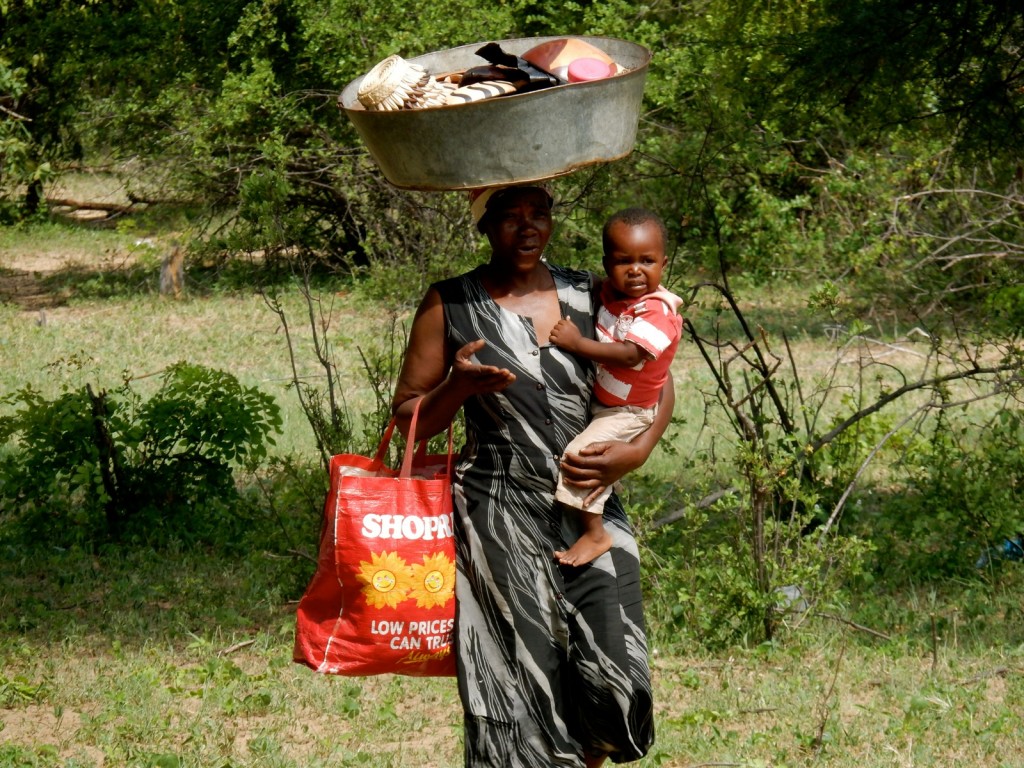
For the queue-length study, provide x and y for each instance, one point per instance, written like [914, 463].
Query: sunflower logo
[386, 579]
[433, 583]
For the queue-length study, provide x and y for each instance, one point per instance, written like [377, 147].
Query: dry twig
[236, 647]
[826, 710]
[853, 624]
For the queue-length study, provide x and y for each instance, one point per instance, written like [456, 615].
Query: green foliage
[86, 466]
[950, 65]
[1005, 307]
[18, 167]
[706, 585]
[757, 146]
[19, 690]
[801, 450]
[17, 756]
[965, 494]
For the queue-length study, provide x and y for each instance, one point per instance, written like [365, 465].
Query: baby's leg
[608, 424]
[592, 543]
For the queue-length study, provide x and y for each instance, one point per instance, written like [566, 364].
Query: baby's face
[635, 258]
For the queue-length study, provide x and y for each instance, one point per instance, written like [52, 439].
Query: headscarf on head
[480, 198]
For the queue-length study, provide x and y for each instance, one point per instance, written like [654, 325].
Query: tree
[955, 65]
[16, 167]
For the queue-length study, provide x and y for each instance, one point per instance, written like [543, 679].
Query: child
[638, 331]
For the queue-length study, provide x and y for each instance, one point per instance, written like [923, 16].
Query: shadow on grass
[232, 275]
[83, 283]
[137, 595]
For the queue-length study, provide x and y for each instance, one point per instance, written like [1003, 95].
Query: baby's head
[635, 240]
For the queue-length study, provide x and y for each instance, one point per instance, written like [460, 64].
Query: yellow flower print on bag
[386, 580]
[433, 582]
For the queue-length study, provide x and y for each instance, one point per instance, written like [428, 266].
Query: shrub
[90, 466]
[964, 495]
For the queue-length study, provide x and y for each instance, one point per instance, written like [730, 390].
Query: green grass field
[130, 656]
[166, 660]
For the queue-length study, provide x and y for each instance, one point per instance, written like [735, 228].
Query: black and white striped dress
[552, 661]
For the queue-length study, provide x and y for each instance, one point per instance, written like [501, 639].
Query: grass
[134, 657]
[165, 659]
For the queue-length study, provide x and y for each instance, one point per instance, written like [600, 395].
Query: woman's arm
[443, 380]
[599, 465]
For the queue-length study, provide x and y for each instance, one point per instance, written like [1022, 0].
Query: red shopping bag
[382, 599]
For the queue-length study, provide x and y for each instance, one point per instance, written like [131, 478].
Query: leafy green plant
[18, 690]
[799, 456]
[964, 496]
[90, 464]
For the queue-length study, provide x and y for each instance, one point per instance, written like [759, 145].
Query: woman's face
[518, 226]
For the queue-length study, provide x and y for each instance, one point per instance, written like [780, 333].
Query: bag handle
[411, 457]
[382, 450]
[421, 447]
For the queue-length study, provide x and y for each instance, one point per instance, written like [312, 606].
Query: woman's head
[517, 223]
[484, 201]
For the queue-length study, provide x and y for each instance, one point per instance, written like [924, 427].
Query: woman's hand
[441, 379]
[600, 465]
[473, 378]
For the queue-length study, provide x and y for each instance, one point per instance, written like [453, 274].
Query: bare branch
[968, 191]
[15, 115]
[974, 372]
[704, 503]
[860, 470]
[853, 624]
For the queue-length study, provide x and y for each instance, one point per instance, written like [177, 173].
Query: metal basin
[508, 139]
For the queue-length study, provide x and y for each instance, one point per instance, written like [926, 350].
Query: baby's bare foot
[587, 548]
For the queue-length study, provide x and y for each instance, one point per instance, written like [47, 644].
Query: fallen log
[58, 202]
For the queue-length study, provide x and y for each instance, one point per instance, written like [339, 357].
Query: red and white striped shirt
[652, 323]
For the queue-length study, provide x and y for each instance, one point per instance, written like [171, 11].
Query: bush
[965, 494]
[90, 466]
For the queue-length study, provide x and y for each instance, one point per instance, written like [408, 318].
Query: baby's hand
[565, 335]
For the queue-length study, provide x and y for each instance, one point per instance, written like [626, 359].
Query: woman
[552, 660]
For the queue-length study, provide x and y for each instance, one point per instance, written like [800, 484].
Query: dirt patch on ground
[23, 278]
[38, 724]
[27, 277]
[27, 290]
